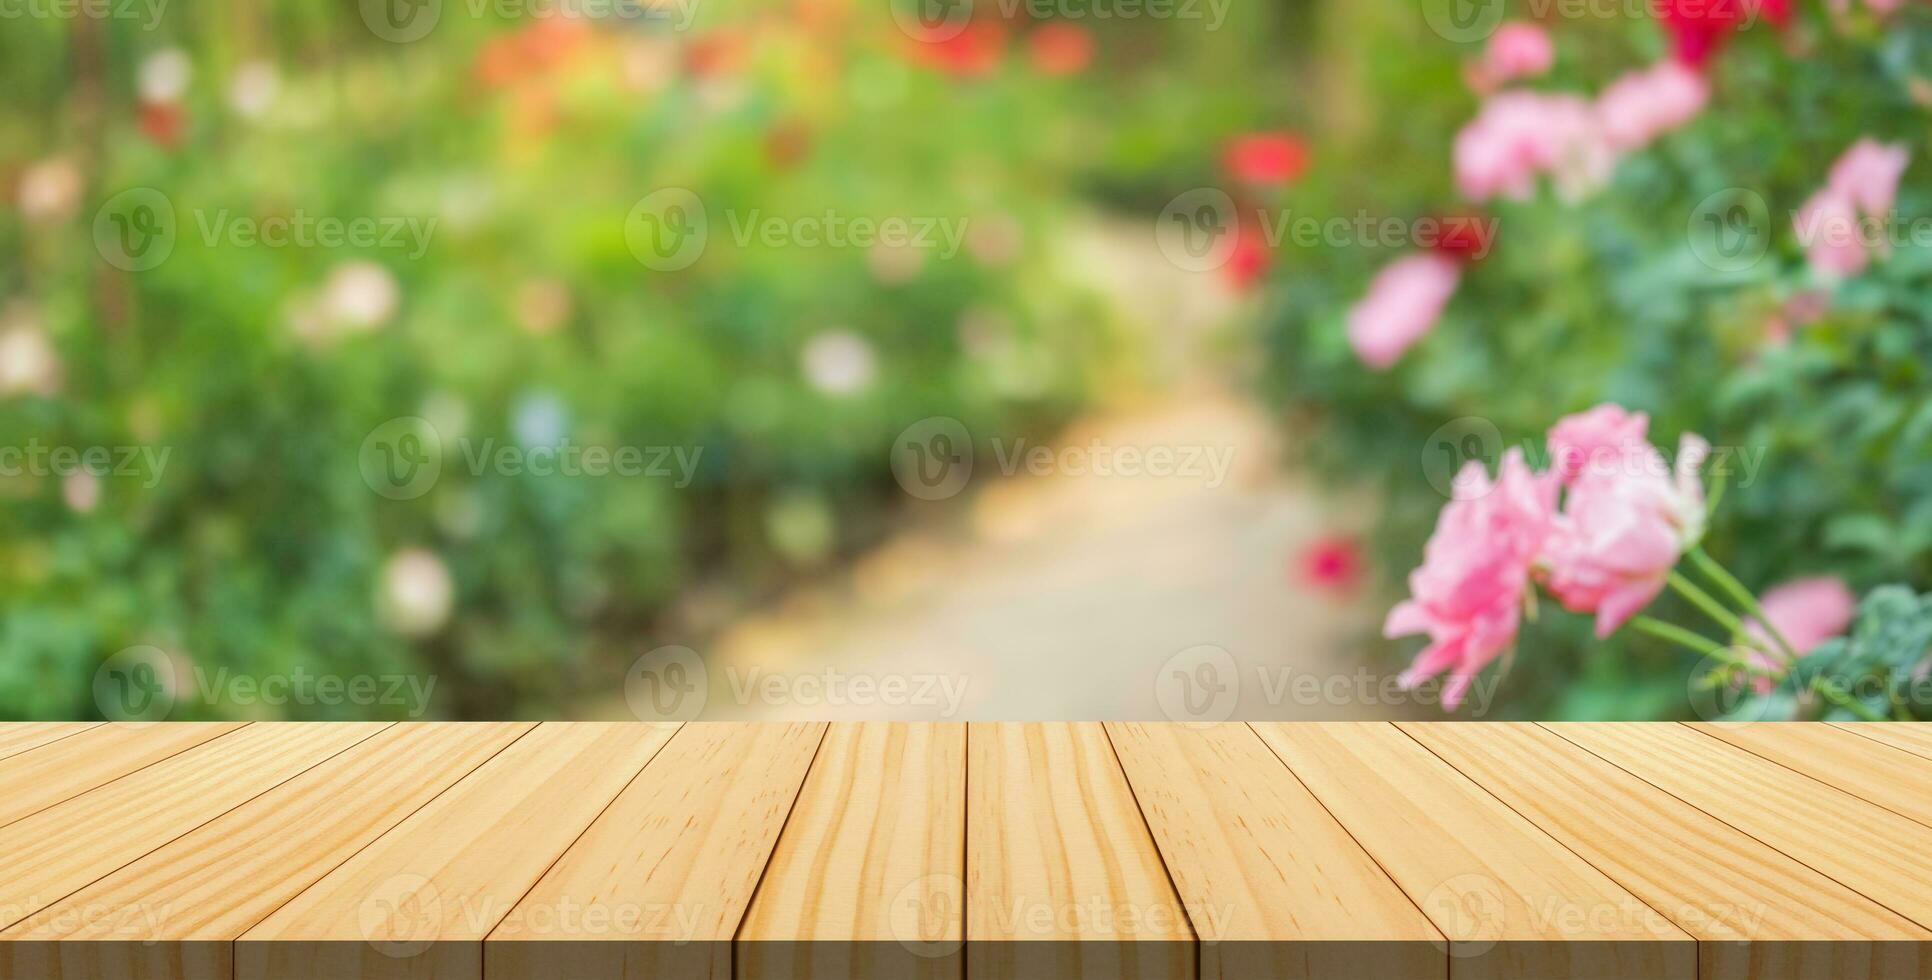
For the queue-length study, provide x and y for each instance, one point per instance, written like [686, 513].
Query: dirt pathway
[1074, 594]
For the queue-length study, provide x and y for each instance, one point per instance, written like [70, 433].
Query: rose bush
[1715, 223]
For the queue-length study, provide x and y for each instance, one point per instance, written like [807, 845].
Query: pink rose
[1601, 438]
[1517, 50]
[1827, 227]
[1403, 303]
[1642, 105]
[1863, 182]
[1622, 530]
[1468, 593]
[1868, 174]
[1518, 136]
[1807, 611]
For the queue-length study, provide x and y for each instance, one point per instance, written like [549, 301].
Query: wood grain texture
[71, 766]
[868, 878]
[1914, 737]
[418, 902]
[1062, 877]
[1272, 884]
[66, 847]
[19, 736]
[173, 914]
[1755, 912]
[936, 851]
[659, 884]
[1512, 901]
[1871, 850]
[1896, 780]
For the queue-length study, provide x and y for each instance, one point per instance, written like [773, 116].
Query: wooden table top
[567, 851]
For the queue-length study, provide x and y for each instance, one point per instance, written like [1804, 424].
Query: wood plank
[418, 902]
[1062, 876]
[1512, 901]
[1912, 736]
[1273, 885]
[172, 915]
[869, 875]
[96, 757]
[19, 736]
[1875, 852]
[659, 884]
[66, 847]
[1755, 912]
[1898, 781]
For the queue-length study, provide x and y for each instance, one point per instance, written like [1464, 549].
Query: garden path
[1070, 595]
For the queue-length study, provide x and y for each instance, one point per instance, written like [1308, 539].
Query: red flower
[162, 122]
[1265, 158]
[1332, 563]
[787, 144]
[1248, 260]
[1060, 48]
[1463, 236]
[714, 55]
[1699, 27]
[973, 52]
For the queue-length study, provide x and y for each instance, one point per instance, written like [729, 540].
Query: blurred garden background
[983, 358]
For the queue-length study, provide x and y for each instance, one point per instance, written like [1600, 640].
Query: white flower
[82, 491]
[361, 295]
[838, 362]
[50, 190]
[28, 363]
[416, 593]
[164, 76]
[253, 89]
[539, 418]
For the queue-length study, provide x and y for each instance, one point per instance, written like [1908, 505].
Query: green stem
[1711, 607]
[1697, 643]
[1743, 597]
[1838, 697]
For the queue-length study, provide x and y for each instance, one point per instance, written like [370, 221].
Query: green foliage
[262, 547]
[1606, 299]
